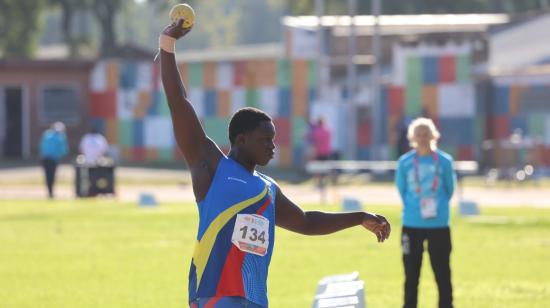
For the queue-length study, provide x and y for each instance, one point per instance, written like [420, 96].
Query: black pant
[439, 249]
[50, 166]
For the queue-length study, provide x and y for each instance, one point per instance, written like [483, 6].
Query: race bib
[251, 234]
[428, 208]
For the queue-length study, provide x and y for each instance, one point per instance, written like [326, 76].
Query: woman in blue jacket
[425, 179]
[53, 146]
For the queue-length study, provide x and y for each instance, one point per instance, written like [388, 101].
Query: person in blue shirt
[238, 206]
[53, 146]
[426, 180]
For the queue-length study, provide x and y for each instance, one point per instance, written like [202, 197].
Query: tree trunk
[105, 11]
[108, 36]
[66, 24]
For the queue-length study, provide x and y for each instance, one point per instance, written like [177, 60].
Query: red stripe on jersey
[264, 206]
[212, 303]
[231, 279]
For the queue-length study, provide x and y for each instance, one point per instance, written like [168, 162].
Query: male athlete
[238, 206]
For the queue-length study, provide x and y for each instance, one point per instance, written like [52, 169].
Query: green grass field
[100, 253]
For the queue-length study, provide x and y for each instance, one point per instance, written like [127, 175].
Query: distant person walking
[53, 146]
[426, 180]
[321, 139]
[93, 146]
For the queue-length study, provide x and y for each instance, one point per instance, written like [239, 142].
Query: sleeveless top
[238, 206]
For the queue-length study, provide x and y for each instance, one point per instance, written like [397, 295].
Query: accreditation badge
[428, 207]
[251, 234]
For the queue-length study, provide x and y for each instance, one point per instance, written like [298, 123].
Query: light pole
[351, 81]
[376, 83]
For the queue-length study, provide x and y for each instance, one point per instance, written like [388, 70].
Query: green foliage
[102, 253]
[164, 5]
[219, 23]
[301, 7]
[20, 25]
[218, 20]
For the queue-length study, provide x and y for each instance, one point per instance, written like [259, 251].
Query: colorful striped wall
[520, 103]
[435, 83]
[129, 105]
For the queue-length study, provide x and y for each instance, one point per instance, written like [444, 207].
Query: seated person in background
[93, 146]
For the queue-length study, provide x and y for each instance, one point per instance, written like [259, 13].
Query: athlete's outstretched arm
[291, 217]
[196, 147]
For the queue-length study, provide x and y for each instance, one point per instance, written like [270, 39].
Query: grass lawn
[100, 253]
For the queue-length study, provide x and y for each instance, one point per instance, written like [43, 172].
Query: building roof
[534, 70]
[243, 52]
[37, 65]
[401, 24]
[126, 51]
[521, 45]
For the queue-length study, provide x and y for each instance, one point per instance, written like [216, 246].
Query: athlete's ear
[240, 139]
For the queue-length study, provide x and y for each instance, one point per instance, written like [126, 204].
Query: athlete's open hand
[176, 30]
[378, 225]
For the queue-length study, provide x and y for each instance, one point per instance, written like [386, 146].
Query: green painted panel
[299, 130]
[479, 129]
[451, 150]
[166, 154]
[284, 73]
[195, 74]
[252, 98]
[217, 129]
[125, 132]
[313, 74]
[536, 125]
[413, 88]
[163, 104]
[463, 65]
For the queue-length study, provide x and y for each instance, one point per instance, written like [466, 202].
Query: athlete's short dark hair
[246, 120]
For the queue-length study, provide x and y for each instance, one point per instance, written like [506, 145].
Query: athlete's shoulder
[225, 162]
[407, 156]
[267, 178]
[445, 156]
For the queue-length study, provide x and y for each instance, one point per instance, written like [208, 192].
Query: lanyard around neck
[435, 181]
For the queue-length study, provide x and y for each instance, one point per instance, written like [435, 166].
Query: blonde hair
[423, 122]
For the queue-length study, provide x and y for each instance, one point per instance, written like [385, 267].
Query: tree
[68, 10]
[164, 5]
[301, 7]
[20, 25]
[105, 11]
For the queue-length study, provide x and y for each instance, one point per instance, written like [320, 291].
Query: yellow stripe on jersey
[204, 246]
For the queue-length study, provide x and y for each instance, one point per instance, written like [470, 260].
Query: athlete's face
[259, 145]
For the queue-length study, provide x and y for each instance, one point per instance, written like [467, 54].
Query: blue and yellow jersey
[235, 201]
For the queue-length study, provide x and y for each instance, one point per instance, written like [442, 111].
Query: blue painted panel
[430, 70]
[137, 133]
[457, 131]
[285, 100]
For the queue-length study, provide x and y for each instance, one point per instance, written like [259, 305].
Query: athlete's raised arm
[200, 152]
